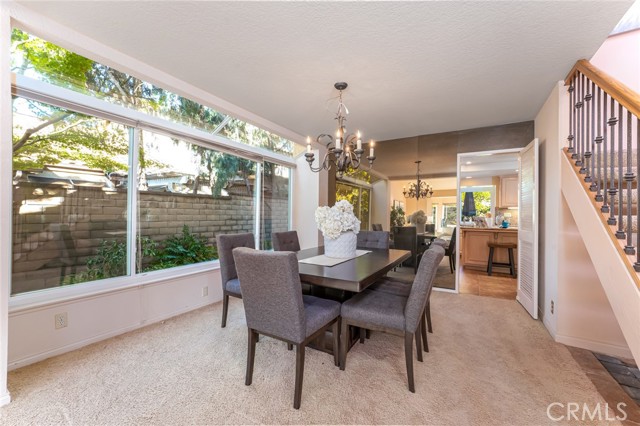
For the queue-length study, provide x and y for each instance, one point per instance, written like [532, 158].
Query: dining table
[353, 275]
[342, 280]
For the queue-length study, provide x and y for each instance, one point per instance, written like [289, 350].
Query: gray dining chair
[439, 242]
[377, 310]
[376, 227]
[373, 239]
[286, 241]
[230, 282]
[275, 307]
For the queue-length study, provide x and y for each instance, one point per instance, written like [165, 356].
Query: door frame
[460, 157]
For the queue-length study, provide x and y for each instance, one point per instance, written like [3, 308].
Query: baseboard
[5, 399]
[94, 339]
[600, 347]
[547, 323]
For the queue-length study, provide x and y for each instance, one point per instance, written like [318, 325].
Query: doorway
[487, 221]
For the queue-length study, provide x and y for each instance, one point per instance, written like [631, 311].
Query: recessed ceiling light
[469, 177]
[468, 162]
[516, 170]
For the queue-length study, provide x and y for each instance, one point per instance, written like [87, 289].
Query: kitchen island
[473, 245]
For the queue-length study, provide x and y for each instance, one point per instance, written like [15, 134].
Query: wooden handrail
[625, 96]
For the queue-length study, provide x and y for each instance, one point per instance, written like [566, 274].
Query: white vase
[342, 247]
[420, 227]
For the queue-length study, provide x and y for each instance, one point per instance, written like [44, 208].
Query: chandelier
[418, 190]
[345, 150]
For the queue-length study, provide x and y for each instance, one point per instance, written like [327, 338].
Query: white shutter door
[528, 229]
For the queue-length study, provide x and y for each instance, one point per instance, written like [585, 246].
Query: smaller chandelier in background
[345, 150]
[419, 189]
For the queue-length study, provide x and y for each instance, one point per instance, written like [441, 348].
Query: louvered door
[528, 229]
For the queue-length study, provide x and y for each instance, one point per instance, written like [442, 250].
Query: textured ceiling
[413, 68]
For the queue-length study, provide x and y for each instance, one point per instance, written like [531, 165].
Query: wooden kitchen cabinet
[509, 191]
[474, 249]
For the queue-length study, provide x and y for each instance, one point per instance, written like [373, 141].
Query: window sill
[60, 295]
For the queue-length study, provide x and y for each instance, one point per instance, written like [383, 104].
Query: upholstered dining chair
[376, 227]
[373, 239]
[450, 251]
[275, 307]
[230, 282]
[285, 241]
[377, 310]
[440, 242]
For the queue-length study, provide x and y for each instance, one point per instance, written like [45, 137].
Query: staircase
[600, 184]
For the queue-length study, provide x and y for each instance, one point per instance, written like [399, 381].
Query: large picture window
[359, 197]
[96, 199]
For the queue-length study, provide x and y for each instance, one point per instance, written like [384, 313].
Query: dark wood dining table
[341, 281]
[353, 275]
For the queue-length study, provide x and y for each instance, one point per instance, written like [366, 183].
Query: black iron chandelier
[346, 149]
[418, 190]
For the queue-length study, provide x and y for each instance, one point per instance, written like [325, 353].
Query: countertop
[474, 229]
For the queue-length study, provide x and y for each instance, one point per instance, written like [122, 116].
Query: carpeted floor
[490, 364]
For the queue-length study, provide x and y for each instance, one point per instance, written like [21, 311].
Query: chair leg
[251, 355]
[335, 330]
[362, 332]
[425, 342]
[428, 312]
[368, 334]
[344, 341]
[290, 346]
[418, 336]
[225, 308]
[408, 356]
[423, 330]
[451, 263]
[297, 396]
[453, 260]
[490, 265]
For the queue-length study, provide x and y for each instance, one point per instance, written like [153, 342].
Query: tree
[482, 201]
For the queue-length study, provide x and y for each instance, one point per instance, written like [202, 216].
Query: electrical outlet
[205, 291]
[61, 320]
[552, 306]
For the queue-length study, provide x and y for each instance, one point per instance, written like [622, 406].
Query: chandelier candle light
[418, 190]
[346, 149]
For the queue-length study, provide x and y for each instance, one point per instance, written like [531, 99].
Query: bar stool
[491, 263]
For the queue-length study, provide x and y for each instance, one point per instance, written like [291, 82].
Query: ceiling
[478, 166]
[413, 68]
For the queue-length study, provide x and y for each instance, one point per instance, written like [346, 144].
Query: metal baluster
[588, 140]
[574, 139]
[571, 111]
[605, 206]
[612, 190]
[594, 155]
[620, 232]
[629, 177]
[636, 265]
[580, 131]
[598, 141]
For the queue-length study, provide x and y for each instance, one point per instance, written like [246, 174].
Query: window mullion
[258, 205]
[132, 201]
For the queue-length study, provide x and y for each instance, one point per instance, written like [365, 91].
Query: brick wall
[56, 229]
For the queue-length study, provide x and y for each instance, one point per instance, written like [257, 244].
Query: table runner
[323, 260]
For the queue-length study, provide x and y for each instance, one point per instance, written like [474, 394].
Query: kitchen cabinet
[474, 250]
[509, 191]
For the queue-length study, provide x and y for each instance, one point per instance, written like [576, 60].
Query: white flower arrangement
[333, 221]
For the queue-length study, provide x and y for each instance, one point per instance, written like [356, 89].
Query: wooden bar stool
[491, 263]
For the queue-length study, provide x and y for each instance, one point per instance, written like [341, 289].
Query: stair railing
[605, 157]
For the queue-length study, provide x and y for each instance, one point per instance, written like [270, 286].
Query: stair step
[634, 158]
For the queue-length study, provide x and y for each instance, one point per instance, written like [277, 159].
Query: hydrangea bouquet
[333, 221]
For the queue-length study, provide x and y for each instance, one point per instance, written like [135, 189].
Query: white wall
[585, 316]
[619, 56]
[5, 196]
[380, 205]
[310, 191]
[33, 337]
[548, 130]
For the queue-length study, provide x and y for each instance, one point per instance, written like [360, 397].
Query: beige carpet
[489, 364]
